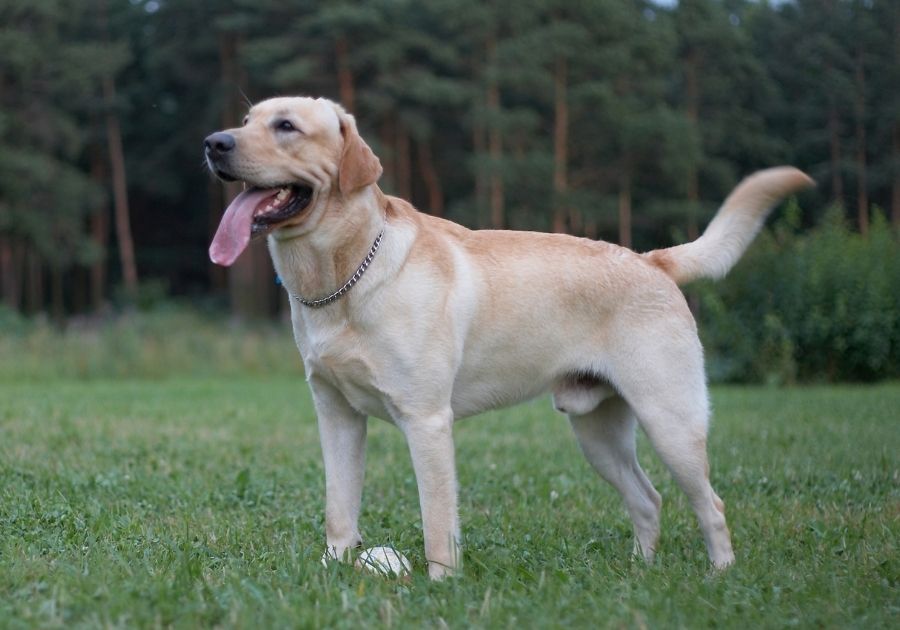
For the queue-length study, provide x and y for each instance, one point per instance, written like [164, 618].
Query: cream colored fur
[449, 322]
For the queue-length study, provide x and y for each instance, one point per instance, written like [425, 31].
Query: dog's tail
[733, 228]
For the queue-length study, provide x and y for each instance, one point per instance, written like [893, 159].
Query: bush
[824, 305]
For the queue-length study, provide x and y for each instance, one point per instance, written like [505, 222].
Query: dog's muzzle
[218, 148]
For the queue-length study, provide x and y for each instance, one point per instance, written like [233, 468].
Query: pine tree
[50, 75]
[721, 86]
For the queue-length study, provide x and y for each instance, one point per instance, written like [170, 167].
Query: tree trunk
[34, 292]
[431, 178]
[404, 162]
[345, 74]
[693, 195]
[575, 223]
[388, 179]
[100, 237]
[495, 140]
[479, 150]
[862, 184]
[7, 281]
[120, 188]
[56, 294]
[560, 145]
[834, 145]
[79, 284]
[895, 178]
[895, 140]
[625, 208]
[10, 272]
[692, 107]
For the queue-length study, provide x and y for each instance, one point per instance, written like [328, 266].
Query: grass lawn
[199, 502]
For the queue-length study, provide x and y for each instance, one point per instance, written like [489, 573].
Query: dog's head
[295, 157]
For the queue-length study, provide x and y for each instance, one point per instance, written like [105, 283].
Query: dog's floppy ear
[359, 165]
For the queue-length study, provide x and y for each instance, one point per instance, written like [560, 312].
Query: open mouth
[284, 203]
[254, 213]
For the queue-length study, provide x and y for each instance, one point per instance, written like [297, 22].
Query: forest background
[626, 120]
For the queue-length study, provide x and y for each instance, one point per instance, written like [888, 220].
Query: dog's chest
[343, 359]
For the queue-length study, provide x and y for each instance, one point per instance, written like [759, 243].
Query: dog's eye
[285, 125]
[246, 118]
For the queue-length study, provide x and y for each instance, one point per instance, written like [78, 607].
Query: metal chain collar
[347, 285]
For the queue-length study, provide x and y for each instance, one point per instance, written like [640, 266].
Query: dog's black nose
[218, 143]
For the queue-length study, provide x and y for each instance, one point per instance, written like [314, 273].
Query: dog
[419, 321]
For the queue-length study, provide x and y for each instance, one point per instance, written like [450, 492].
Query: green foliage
[50, 77]
[198, 502]
[821, 305]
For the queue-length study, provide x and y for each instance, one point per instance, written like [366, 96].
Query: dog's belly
[491, 380]
[474, 397]
[522, 357]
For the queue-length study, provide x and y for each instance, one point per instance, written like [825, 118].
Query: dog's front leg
[342, 431]
[430, 440]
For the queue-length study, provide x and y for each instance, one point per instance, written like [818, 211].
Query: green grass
[199, 502]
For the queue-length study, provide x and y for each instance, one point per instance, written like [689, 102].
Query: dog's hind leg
[673, 409]
[681, 444]
[606, 435]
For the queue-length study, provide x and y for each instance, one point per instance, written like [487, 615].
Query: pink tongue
[234, 230]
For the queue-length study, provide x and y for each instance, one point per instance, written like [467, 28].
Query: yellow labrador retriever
[420, 321]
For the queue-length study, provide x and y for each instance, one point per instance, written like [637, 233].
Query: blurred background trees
[627, 120]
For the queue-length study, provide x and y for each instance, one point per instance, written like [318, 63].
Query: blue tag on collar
[278, 280]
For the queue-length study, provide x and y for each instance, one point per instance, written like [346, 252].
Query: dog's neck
[317, 263]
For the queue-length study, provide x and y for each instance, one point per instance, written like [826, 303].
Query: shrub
[823, 305]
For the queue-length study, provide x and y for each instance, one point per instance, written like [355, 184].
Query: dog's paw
[333, 554]
[438, 572]
[723, 562]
